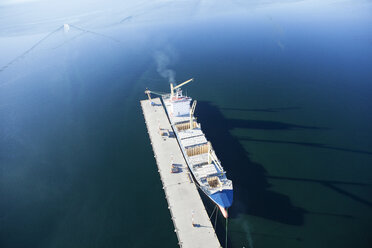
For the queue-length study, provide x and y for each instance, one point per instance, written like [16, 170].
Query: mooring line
[210, 216]
[226, 233]
[215, 221]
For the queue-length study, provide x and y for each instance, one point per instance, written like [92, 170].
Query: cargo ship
[198, 152]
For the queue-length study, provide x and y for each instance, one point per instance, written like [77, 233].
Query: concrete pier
[192, 224]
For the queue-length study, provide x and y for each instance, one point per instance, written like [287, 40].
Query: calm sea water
[284, 94]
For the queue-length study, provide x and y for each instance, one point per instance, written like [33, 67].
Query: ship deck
[181, 192]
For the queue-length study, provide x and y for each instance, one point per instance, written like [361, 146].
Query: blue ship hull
[223, 198]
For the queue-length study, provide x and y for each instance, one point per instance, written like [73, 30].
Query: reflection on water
[285, 103]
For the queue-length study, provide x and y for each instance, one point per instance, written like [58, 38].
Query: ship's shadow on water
[252, 194]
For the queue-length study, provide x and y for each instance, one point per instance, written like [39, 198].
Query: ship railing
[227, 183]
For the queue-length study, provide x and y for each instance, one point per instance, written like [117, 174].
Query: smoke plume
[162, 66]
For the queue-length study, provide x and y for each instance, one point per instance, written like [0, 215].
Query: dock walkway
[184, 202]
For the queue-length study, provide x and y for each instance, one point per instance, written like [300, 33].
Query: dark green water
[284, 94]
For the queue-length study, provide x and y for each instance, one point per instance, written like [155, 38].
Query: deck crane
[212, 157]
[148, 92]
[173, 88]
[178, 86]
[192, 114]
